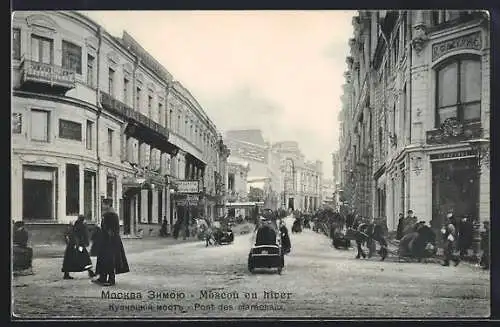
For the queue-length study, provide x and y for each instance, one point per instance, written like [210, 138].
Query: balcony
[140, 126]
[454, 132]
[46, 77]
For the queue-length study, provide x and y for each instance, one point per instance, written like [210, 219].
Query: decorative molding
[92, 43]
[38, 160]
[471, 41]
[113, 58]
[128, 68]
[420, 38]
[42, 23]
[139, 77]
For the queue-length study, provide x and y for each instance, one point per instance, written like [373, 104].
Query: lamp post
[481, 148]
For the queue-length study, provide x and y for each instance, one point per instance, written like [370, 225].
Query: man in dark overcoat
[111, 259]
[76, 257]
[23, 254]
[401, 225]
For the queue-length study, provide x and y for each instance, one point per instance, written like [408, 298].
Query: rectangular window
[39, 125]
[88, 138]
[17, 123]
[39, 192]
[111, 190]
[42, 50]
[125, 90]
[70, 130]
[71, 57]
[160, 112]
[89, 195]
[150, 106]
[110, 142]
[111, 82]
[72, 190]
[138, 99]
[16, 43]
[458, 90]
[90, 70]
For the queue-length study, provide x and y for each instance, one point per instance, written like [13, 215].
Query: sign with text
[188, 186]
[471, 41]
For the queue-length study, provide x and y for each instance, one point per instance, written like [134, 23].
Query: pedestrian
[464, 236]
[449, 233]
[163, 229]
[401, 223]
[409, 223]
[23, 254]
[111, 259]
[76, 257]
[485, 246]
[177, 227]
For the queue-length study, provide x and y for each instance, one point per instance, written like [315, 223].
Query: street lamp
[481, 148]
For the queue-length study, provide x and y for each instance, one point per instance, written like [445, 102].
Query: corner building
[415, 117]
[91, 120]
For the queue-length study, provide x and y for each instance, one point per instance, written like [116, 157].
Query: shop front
[455, 186]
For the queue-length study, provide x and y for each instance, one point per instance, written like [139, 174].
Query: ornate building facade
[415, 116]
[96, 117]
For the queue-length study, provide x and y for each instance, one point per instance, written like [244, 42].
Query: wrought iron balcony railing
[38, 72]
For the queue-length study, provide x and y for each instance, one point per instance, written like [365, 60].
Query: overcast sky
[280, 71]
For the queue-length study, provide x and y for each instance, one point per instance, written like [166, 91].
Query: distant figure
[464, 236]
[449, 233]
[485, 246]
[23, 255]
[76, 257]
[285, 238]
[401, 224]
[164, 228]
[111, 259]
[409, 223]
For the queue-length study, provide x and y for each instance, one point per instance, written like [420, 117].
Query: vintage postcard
[266, 164]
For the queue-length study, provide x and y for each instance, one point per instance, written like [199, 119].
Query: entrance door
[290, 204]
[455, 188]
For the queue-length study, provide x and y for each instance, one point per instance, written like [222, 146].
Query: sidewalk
[132, 245]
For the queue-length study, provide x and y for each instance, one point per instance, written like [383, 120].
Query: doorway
[455, 188]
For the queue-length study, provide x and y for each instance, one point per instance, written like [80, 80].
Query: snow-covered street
[317, 281]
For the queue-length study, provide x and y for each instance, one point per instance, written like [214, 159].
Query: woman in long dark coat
[111, 259]
[285, 238]
[76, 257]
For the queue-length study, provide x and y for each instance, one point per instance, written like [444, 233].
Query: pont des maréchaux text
[149, 295]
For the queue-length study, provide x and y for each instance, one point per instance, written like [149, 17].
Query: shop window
[458, 91]
[72, 57]
[39, 192]
[72, 190]
[70, 130]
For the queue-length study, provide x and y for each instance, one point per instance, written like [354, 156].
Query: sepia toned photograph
[293, 164]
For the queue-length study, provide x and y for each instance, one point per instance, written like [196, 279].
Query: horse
[419, 244]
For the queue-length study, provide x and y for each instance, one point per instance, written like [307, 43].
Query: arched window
[458, 90]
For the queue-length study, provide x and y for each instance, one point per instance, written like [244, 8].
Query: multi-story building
[96, 117]
[415, 115]
[337, 185]
[249, 146]
[302, 179]
[328, 193]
